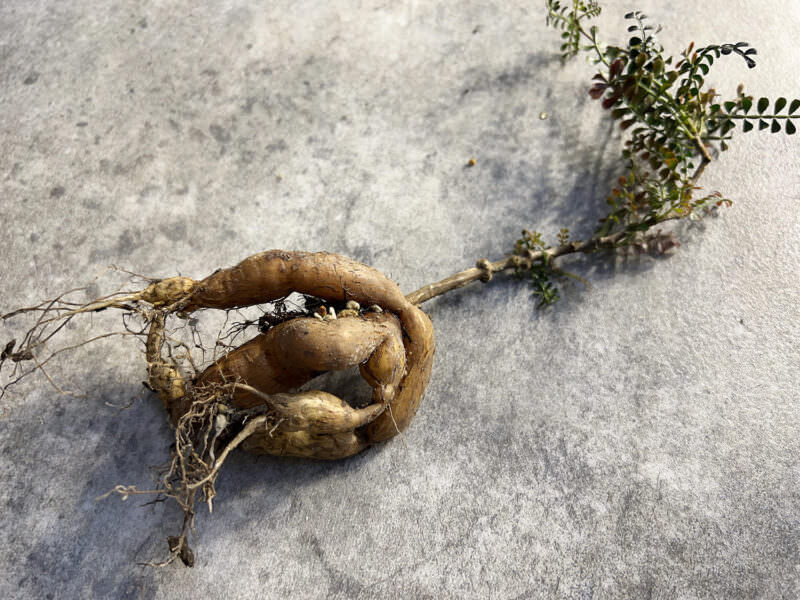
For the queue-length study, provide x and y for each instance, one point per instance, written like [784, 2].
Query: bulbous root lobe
[393, 349]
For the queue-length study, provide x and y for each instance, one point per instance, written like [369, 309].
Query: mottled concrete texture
[638, 440]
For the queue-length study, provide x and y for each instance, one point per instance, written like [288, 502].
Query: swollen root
[393, 348]
[354, 316]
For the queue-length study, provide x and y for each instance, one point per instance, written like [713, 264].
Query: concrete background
[638, 440]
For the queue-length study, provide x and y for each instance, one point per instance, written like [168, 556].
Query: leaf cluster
[568, 17]
[673, 119]
[672, 122]
[641, 200]
[541, 273]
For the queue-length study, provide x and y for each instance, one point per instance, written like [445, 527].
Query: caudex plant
[320, 312]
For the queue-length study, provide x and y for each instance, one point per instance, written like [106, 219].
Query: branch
[484, 269]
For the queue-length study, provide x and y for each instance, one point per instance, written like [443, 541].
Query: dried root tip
[167, 381]
[179, 548]
[162, 377]
[19, 356]
[168, 291]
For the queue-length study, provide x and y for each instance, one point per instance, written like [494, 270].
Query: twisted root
[393, 349]
[249, 397]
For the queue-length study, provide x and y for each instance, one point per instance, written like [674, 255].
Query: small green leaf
[762, 105]
[790, 128]
[747, 126]
[794, 106]
[658, 65]
[747, 104]
[776, 127]
[779, 104]
[727, 126]
[729, 106]
[762, 124]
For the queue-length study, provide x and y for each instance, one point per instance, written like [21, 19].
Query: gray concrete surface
[638, 440]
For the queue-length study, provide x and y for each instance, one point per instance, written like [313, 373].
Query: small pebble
[375, 308]
[319, 316]
[353, 305]
[348, 312]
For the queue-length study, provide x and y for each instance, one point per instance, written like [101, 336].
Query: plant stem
[484, 269]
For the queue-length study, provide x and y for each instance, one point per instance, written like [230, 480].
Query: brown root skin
[319, 412]
[248, 398]
[276, 273]
[162, 377]
[307, 444]
[167, 291]
[294, 352]
[394, 350]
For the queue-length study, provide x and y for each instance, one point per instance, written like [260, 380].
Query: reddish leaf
[609, 102]
[616, 68]
[597, 90]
